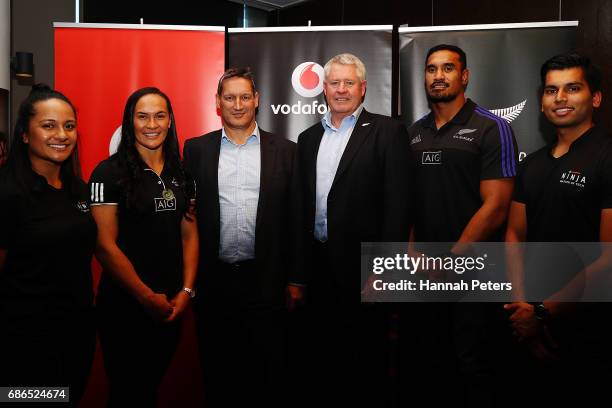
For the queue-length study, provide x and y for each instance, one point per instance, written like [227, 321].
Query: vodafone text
[312, 108]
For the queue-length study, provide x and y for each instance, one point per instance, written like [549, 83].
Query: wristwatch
[540, 311]
[190, 292]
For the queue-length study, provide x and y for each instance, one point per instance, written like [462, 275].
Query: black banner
[288, 66]
[504, 62]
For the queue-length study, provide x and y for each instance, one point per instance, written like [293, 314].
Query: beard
[437, 98]
[447, 95]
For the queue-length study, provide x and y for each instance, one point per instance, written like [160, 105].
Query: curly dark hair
[128, 156]
[18, 160]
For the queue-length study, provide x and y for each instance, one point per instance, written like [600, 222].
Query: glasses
[348, 83]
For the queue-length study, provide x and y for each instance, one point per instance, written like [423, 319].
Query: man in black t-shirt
[564, 194]
[466, 160]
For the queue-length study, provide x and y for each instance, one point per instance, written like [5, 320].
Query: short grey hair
[347, 59]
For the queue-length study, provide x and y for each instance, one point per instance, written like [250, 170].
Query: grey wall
[32, 31]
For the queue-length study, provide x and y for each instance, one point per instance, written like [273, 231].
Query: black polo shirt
[564, 196]
[50, 237]
[149, 229]
[451, 161]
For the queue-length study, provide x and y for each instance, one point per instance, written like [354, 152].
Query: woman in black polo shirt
[47, 239]
[148, 247]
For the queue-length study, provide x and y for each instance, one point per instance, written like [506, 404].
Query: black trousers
[459, 354]
[52, 351]
[582, 374]
[347, 343]
[241, 341]
[136, 350]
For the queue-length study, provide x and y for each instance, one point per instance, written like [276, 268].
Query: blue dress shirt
[332, 147]
[239, 178]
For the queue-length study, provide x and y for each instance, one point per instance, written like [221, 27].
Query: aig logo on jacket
[162, 204]
[432, 157]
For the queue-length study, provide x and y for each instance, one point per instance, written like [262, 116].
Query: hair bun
[40, 88]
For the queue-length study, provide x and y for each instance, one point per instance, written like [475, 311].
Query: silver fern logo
[462, 132]
[511, 113]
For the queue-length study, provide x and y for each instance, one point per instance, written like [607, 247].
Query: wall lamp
[22, 65]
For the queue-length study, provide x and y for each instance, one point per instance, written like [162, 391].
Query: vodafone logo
[307, 79]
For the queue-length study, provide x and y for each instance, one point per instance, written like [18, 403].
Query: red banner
[99, 66]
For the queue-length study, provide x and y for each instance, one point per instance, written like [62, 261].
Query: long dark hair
[18, 160]
[128, 156]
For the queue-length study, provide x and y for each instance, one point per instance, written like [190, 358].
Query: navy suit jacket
[369, 200]
[201, 159]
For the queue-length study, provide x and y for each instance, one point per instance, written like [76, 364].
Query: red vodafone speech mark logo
[307, 79]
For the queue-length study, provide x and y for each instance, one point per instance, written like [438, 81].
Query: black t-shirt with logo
[50, 237]
[149, 227]
[564, 196]
[451, 161]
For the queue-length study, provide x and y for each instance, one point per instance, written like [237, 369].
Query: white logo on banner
[511, 113]
[114, 142]
[307, 79]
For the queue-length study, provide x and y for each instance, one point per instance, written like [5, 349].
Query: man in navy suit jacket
[243, 178]
[352, 185]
